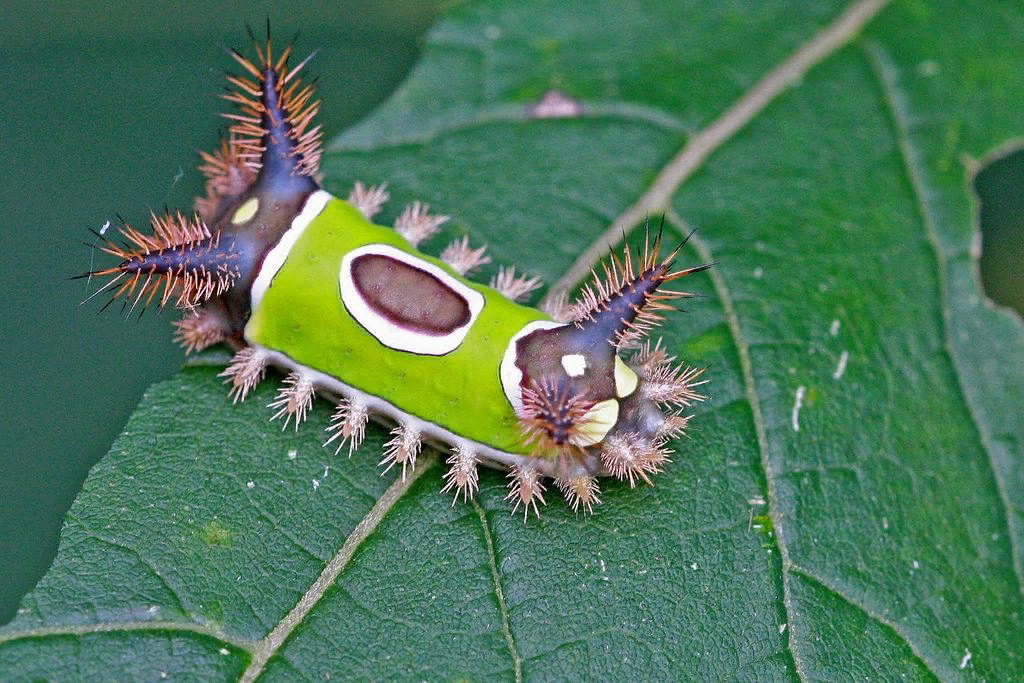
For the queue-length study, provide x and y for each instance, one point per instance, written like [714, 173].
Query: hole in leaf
[1000, 189]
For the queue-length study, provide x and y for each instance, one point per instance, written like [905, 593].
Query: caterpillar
[293, 278]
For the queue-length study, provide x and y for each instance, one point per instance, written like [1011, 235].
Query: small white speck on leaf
[885, 523]
[756, 500]
[782, 628]
[915, 564]
[929, 68]
[153, 609]
[822, 287]
[759, 272]
[834, 328]
[966, 658]
[224, 651]
[250, 484]
[317, 482]
[837, 374]
[797, 404]
[693, 566]
[293, 453]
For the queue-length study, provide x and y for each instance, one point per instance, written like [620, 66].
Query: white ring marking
[395, 336]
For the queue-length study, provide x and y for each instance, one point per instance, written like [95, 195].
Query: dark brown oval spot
[407, 296]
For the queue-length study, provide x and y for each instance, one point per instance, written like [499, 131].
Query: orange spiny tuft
[198, 330]
[525, 487]
[580, 491]
[671, 384]
[293, 106]
[227, 176]
[180, 257]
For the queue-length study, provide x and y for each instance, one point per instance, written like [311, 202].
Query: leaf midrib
[700, 145]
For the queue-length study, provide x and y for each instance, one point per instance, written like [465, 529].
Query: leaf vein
[283, 530]
[700, 145]
[273, 641]
[885, 72]
[146, 563]
[874, 616]
[511, 113]
[750, 387]
[506, 629]
[125, 626]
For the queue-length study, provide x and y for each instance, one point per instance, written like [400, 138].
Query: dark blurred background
[104, 105]
[1000, 189]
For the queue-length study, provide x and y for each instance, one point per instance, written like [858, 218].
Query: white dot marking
[797, 404]
[844, 357]
[575, 364]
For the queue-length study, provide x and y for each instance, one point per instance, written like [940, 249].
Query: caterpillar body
[296, 279]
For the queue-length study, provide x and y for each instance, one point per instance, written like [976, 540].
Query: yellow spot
[625, 379]
[246, 211]
[575, 364]
[597, 422]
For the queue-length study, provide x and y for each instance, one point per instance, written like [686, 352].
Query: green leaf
[849, 502]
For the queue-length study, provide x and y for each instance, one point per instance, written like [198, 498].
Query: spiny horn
[626, 303]
[274, 128]
[180, 256]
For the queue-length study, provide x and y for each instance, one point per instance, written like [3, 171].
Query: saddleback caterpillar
[296, 279]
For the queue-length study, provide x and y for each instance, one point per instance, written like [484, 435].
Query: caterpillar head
[256, 183]
[580, 401]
